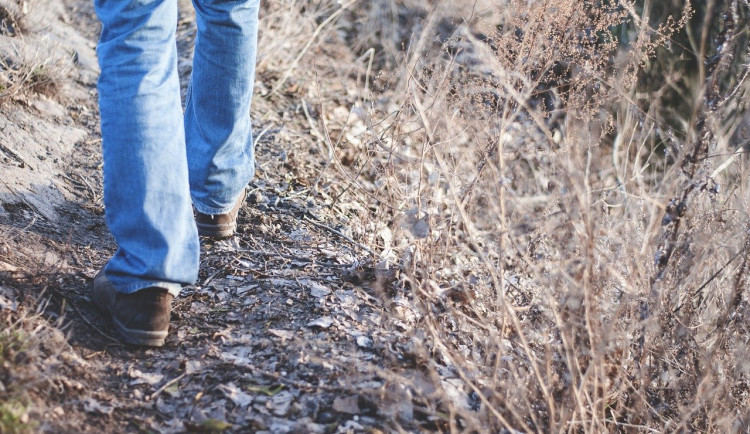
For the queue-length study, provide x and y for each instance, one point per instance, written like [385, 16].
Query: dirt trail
[285, 331]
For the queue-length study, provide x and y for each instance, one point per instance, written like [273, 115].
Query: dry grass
[13, 401]
[566, 206]
[29, 62]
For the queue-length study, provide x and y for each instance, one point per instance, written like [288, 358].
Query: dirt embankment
[49, 73]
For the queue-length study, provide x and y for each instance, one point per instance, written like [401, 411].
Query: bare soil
[286, 329]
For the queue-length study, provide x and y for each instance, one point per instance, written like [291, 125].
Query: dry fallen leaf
[364, 342]
[283, 334]
[192, 366]
[316, 289]
[144, 378]
[91, 405]
[347, 404]
[322, 322]
[236, 395]
[281, 402]
[417, 227]
[239, 356]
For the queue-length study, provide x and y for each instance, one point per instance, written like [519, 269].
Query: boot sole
[216, 232]
[140, 337]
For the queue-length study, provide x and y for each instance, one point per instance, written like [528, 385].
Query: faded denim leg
[218, 130]
[146, 181]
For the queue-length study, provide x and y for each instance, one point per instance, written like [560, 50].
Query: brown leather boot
[141, 318]
[219, 226]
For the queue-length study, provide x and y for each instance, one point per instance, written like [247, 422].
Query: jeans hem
[171, 287]
[216, 211]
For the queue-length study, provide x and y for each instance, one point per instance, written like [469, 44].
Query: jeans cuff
[172, 288]
[212, 211]
[203, 209]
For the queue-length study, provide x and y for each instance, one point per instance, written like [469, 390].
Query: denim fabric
[158, 163]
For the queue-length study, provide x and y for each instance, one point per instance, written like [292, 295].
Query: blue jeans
[158, 161]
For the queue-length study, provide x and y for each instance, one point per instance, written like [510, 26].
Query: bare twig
[166, 386]
[313, 37]
[335, 232]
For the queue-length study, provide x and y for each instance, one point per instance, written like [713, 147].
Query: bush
[566, 208]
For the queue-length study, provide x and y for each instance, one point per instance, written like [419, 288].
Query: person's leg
[146, 191]
[217, 114]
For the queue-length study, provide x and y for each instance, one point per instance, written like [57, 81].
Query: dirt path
[285, 331]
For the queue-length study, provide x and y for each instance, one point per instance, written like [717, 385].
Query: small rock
[4, 266]
[347, 298]
[281, 426]
[326, 417]
[454, 390]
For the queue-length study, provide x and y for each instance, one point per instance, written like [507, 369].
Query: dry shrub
[290, 28]
[562, 189]
[573, 259]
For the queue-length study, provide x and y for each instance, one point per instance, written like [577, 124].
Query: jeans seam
[189, 92]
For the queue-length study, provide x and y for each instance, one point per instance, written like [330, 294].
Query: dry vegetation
[29, 62]
[562, 189]
[37, 366]
[555, 192]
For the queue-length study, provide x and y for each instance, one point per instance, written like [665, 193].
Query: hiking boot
[219, 226]
[141, 318]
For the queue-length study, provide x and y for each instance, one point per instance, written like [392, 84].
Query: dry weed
[568, 207]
